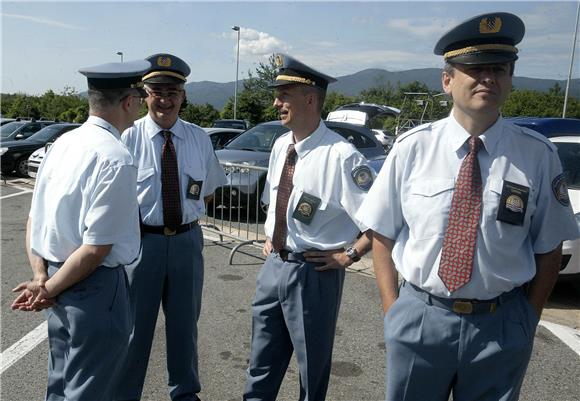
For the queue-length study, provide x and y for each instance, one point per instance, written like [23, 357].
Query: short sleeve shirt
[197, 165]
[411, 199]
[85, 194]
[326, 169]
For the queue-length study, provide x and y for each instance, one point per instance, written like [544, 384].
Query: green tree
[255, 101]
[200, 114]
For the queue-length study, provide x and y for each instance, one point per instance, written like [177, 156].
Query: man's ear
[126, 102]
[446, 82]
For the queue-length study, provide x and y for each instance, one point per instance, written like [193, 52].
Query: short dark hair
[101, 100]
[319, 93]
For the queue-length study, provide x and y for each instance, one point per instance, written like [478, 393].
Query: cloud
[260, 44]
[43, 21]
[423, 27]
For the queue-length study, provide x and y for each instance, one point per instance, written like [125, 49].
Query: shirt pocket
[145, 183]
[491, 205]
[426, 206]
[190, 174]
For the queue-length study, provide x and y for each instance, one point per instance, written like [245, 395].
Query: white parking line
[25, 191]
[23, 346]
[568, 335]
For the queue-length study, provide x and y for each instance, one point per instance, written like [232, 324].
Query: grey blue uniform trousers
[88, 334]
[433, 351]
[170, 273]
[295, 309]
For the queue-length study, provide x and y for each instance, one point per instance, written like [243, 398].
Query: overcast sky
[45, 43]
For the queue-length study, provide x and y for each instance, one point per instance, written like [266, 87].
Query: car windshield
[570, 156]
[47, 133]
[9, 128]
[260, 138]
[229, 124]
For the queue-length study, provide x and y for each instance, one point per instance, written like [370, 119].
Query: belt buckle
[462, 307]
[168, 231]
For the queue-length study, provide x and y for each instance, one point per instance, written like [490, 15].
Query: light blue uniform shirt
[196, 161]
[324, 169]
[85, 194]
[411, 198]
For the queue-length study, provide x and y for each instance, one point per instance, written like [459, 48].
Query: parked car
[17, 130]
[253, 147]
[369, 115]
[565, 134]
[6, 120]
[15, 154]
[221, 136]
[231, 123]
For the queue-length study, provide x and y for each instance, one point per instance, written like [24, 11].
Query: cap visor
[163, 79]
[484, 58]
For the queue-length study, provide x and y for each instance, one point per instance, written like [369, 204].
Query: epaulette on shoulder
[420, 128]
[536, 135]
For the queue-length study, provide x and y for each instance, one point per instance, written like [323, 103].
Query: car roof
[548, 126]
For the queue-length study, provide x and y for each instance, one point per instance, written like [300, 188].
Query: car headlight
[3, 150]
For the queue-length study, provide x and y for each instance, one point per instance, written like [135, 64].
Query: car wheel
[21, 166]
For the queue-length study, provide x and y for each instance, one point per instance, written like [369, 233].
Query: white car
[367, 115]
[569, 151]
[35, 159]
[565, 134]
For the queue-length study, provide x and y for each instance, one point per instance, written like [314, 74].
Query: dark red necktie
[461, 233]
[284, 190]
[170, 184]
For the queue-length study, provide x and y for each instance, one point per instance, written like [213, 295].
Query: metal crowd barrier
[236, 211]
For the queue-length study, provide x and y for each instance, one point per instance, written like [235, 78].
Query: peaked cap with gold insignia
[166, 69]
[292, 71]
[485, 39]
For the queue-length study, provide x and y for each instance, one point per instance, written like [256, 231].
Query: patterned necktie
[461, 233]
[170, 184]
[284, 189]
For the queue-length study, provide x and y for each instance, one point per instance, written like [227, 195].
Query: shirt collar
[153, 129]
[98, 121]
[489, 137]
[311, 141]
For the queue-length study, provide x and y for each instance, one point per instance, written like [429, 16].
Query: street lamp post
[237, 29]
[120, 54]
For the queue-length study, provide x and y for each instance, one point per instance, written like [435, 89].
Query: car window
[570, 156]
[359, 140]
[9, 128]
[29, 129]
[51, 132]
[260, 138]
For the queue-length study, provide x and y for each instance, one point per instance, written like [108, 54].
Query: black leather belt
[462, 306]
[162, 230]
[287, 256]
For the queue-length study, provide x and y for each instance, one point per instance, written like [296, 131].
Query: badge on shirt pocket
[306, 208]
[513, 203]
[194, 189]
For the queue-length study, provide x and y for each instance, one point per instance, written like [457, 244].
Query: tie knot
[167, 135]
[475, 144]
[291, 153]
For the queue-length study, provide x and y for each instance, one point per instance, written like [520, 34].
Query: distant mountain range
[217, 94]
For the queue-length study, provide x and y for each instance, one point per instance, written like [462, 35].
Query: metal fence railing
[236, 211]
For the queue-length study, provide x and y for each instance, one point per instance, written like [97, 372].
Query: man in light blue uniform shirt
[469, 334]
[82, 228]
[299, 288]
[170, 270]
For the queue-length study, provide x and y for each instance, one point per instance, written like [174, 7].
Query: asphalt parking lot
[358, 365]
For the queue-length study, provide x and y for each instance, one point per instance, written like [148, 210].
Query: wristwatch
[352, 253]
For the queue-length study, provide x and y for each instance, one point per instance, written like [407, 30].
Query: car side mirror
[19, 136]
